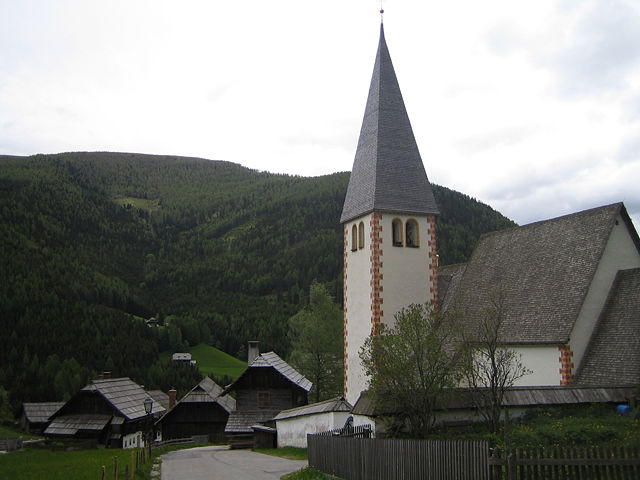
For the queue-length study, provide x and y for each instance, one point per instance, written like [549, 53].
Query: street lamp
[148, 408]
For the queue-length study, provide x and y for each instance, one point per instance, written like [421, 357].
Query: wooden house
[34, 417]
[110, 412]
[268, 386]
[202, 411]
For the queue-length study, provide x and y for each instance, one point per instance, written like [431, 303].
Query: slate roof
[126, 396]
[70, 424]
[160, 397]
[338, 404]
[544, 270]
[613, 354]
[388, 174]
[40, 412]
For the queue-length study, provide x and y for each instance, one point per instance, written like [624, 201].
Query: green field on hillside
[213, 362]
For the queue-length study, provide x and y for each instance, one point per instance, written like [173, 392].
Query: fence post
[104, 473]
[511, 466]
[115, 468]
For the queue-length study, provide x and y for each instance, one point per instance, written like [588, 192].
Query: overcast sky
[531, 107]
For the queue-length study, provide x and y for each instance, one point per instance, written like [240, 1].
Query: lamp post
[148, 408]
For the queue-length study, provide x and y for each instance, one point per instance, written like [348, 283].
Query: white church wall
[544, 363]
[405, 269]
[358, 306]
[620, 254]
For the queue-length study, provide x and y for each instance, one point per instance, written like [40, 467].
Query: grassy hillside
[213, 362]
[89, 240]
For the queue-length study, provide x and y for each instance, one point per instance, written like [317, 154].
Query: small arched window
[412, 233]
[361, 235]
[354, 238]
[396, 232]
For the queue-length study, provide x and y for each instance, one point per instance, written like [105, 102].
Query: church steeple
[387, 174]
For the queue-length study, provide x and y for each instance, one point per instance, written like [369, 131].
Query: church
[571, 284]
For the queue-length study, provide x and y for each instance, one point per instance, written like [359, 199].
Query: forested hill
[90, 242]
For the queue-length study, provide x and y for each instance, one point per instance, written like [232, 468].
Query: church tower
[388, 222]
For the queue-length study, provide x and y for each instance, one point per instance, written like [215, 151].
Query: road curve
[220, 463]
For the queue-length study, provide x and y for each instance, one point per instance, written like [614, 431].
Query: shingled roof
[613, 355]
[387, 174]
[207, 391]
[543, 269]
[272, 360]
[39, 412]
[126, 396]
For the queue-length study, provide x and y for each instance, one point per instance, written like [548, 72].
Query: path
[219, 463]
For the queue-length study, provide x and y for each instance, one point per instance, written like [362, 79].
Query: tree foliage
[316, 334]
[413, 366]
[92, 243]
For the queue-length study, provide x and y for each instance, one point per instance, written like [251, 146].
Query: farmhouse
[268, 386]
[110, 412]
[202, 411]
[571, 285]
[34, 417]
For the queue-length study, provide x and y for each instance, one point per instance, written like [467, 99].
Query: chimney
[253, 351]
[172, 398]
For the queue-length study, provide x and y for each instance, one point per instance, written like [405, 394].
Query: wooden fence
[567, 464]
[10, 444]
[354, 458]
[385, 459]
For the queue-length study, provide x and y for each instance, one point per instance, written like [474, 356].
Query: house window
[361, 235]
[354, 238]
[264, 399]
[396, 232]
[412, 233]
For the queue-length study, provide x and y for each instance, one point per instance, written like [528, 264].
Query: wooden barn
[110, 412]
[34, 417]
[268, 386]
[202, 411]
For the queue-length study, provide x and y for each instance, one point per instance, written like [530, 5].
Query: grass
[36, 464]
[291, 453]
[308, 474]
[213, 362]
[6, 432]
[141, 203]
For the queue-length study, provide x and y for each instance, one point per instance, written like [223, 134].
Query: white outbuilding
[294, 424]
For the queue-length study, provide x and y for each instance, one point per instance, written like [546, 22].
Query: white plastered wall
[357, 304]
[405, 269]
[543, 361]
[620, 254]
[292, 432]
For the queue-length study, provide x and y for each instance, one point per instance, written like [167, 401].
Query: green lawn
[213, 362]
[36, 464]
[141, 203]
[6, 432]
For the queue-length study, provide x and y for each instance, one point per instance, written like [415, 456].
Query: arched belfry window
[361, 235]
[412, 233]
[354, 238]
[396, 232]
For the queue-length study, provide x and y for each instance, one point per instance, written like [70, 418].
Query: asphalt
[220, 463]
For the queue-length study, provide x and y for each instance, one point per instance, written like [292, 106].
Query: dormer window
[361, 235]
[354, 238]
[412, 234]
[396, 232]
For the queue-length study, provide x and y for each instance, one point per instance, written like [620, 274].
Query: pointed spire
[387, 174]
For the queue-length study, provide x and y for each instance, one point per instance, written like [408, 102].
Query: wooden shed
[34, 417]
[202, 411]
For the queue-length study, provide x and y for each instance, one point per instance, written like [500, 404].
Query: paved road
[219, 463]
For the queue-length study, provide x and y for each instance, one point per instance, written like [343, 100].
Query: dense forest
[92, 244]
